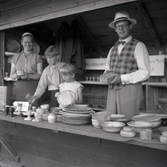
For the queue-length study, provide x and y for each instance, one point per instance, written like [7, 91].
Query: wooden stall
[93, 18]
[43, 144]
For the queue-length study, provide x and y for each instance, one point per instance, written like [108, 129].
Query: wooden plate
[72, 116]
[75, 115]
[77, 108]
[79, 112]
[81, 105]
[146, 117]
[98, 109]
[140, 124]
[66, 98]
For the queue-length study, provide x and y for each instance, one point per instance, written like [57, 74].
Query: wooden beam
[149, 25]
[85, 28]
[35, 11]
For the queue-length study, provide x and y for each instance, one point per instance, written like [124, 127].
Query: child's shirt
[72, 86]
[50, 78]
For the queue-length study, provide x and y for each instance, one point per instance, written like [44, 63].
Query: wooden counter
[89, 130]
[86, 140]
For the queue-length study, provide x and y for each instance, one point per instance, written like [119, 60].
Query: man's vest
[124, 62]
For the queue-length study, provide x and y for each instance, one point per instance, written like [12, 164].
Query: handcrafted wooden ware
[107, 77]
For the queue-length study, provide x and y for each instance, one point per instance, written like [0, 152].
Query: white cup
[40, 112]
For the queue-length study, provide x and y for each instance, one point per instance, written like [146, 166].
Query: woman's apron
[23, 87]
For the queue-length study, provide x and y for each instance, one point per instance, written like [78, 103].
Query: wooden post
[2, 58]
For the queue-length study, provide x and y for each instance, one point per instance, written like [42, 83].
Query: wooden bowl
[102, 116]
[96, 123]
[110, 126]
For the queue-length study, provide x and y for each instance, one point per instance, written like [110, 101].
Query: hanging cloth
[62, 35]
[70, 44]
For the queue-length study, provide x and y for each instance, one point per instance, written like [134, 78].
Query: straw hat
[122, 16]
[36, 48]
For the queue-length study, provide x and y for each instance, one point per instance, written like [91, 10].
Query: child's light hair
[52, 51]
[67, 69]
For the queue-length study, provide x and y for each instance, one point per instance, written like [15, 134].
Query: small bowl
[102, 116]
[164, 133]
[140, 125]
[110, 126]
[96, 123]
[124, 120]
[45, 116]
[55, 110]
[81, 105]
[156, 123]
[45, 106]
[163, 139]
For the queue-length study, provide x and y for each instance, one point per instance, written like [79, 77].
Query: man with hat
[128, 61]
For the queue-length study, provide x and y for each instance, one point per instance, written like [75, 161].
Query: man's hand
[116, 80]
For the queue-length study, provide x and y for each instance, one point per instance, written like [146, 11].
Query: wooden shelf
[12, 53]
[162, 100]
[99, 96]
[100, 83]
[156, 84]
[9, 53]
[92, 83]
[152, 94]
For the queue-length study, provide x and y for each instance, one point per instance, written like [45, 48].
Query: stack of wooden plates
[78, 109]
[76, 115]
[76, 119]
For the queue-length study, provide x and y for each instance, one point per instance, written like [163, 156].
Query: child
[50, 77]
[67, 71]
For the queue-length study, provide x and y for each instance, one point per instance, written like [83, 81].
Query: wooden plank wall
[95, 95]
[162, 91]
[44, 148]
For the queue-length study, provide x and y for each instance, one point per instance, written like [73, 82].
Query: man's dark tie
[120, 42]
